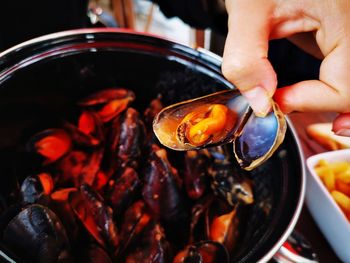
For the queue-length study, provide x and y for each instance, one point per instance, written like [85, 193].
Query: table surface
[306, 225]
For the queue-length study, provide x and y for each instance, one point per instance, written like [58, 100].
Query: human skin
[321, 28]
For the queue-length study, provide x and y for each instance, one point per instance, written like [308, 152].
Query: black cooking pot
[42, 78]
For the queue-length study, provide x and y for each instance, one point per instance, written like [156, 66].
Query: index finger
[330, 93]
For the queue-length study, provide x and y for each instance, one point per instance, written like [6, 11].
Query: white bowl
[327, 214]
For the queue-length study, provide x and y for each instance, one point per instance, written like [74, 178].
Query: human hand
[325, 32]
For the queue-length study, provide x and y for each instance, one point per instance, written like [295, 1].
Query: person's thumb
[341, 125]
[245, 62]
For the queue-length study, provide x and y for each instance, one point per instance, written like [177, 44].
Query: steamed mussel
[106, 190]
[218, 119]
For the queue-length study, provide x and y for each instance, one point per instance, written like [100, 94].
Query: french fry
[342, 200]
[322, 163]
[327, 176]
[329, 180]
[342, 187]
[323, 171]
[340, 167]
[336, 178]
[344, 176]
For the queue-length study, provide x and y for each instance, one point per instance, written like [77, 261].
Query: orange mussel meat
[207, 123]
[52, 144]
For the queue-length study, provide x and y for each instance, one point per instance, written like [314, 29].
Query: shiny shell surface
[172, 125]
[259, 138]
[218, 119]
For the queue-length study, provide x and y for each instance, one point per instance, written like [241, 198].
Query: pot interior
[37, 93]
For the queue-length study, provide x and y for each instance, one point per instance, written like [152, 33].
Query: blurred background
[145, 16]
[23, 20]
[195, 23]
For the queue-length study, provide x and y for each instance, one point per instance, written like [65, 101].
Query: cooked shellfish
[218, 119]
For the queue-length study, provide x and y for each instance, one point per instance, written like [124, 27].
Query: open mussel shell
[259, 137]
[174, 122]
[218, 119]
[36, 189]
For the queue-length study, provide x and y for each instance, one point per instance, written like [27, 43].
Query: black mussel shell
[196, 173]
[96, 216]
[36, 189]
[122, 191]
[136, 219]
[230, 183]
[95, 254]
[154, 247]
[160, 190]
[203, 252]
[132, 135]
[259, 138]
[37, 234]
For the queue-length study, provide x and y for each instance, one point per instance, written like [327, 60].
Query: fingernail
[343, 132]
[259, 101]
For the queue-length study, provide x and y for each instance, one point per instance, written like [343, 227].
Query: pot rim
[208, 55]
[80, 31]
[300, 203]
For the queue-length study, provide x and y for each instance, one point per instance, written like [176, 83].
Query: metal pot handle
[295, 250]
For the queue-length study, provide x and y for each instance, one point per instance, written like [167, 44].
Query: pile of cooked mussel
[107, 190]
